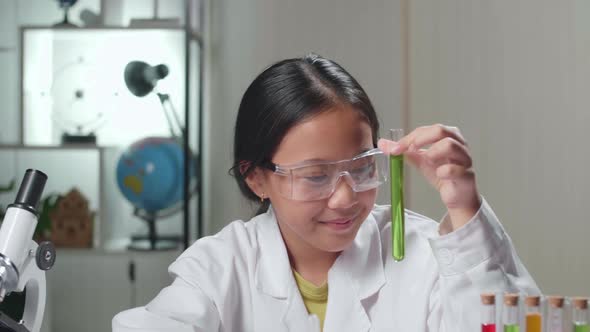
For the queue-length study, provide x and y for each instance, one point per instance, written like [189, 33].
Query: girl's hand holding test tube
[442, 156]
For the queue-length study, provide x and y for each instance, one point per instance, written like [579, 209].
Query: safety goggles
[311, 180]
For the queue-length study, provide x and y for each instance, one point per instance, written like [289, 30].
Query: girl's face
[328, 224]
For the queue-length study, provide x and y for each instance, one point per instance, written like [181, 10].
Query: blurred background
[115, 98]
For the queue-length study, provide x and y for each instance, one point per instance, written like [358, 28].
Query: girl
[318, 254]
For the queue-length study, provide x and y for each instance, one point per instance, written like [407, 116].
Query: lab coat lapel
[356, 275]
[345, 311]
[274, 277]
[273, 271]
[296, 318]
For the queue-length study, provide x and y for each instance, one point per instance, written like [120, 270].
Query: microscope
[23, 262]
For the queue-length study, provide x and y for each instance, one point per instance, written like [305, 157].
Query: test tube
[554, 321]
[511, 313]
[488, 312]
[580, 314]
[396, 172]
[533, 314]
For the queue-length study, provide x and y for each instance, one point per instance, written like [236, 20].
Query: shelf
[116, 251]
[54, 147]
[99, 28]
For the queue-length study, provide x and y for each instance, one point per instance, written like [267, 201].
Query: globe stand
[152, 241]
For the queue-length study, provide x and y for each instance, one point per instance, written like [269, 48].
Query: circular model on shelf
[80, 101]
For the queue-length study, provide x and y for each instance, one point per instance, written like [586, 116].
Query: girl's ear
[257, 182]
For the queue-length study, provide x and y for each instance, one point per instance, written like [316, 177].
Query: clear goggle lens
[315, 181]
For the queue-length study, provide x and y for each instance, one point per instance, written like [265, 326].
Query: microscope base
[10, 325]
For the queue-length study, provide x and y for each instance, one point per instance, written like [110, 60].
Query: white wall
[249, 35]
[514, 75]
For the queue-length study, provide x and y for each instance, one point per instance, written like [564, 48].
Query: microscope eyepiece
[31, 189]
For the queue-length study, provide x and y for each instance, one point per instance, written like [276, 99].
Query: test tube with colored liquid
[533, 314]
[554, 321]
[580, 314]
[396, 172]
[511, 313]
[488, 312]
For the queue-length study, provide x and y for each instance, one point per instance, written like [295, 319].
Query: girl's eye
[368, 168]
[313, 174]
[316, 179]
[359, 170]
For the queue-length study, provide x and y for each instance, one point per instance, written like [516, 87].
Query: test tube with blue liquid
[396, 172]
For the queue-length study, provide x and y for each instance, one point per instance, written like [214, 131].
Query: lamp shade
[141, 78]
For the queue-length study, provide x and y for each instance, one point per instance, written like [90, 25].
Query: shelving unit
[79, 52]
[55, 160]
[88, 286]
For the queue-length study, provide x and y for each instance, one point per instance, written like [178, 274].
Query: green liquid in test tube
[511, 328]
[396, 174]
[510, 312]
[580, 314]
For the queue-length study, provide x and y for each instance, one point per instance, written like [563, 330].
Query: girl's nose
[343, 195]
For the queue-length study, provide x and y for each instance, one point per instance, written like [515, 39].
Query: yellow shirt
[315, 298]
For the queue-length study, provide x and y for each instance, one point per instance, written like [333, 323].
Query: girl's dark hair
[284, 95]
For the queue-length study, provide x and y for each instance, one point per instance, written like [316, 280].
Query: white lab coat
[241, 280]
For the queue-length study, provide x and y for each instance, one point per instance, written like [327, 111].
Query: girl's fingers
[423, 136]
[454, 172]
[448, 150]
[457, 187]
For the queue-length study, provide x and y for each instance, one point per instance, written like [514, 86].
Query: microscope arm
[33, 279]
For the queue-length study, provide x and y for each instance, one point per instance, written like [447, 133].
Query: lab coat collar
[361, 264]
[273, 271]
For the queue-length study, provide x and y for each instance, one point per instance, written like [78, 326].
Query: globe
[150, 175]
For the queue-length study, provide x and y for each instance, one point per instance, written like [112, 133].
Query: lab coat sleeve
[182, 307]
[478, 257]
[205, 288]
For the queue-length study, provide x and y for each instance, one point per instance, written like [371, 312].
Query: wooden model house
[71, 221]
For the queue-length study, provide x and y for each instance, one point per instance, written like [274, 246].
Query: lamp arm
[172, 118]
